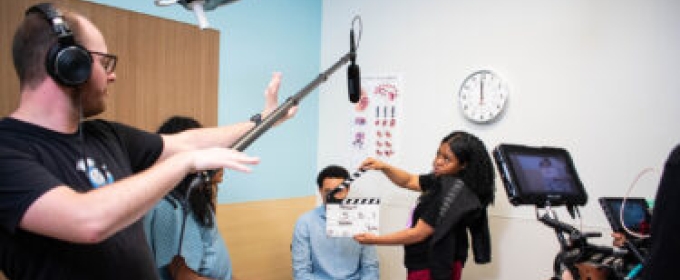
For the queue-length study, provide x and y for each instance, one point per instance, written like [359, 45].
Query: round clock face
[482, 96]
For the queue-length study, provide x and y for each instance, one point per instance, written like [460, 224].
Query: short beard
[80, 101]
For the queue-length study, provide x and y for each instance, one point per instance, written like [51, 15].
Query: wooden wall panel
[164, 67]
[258, 235]
[9, 83]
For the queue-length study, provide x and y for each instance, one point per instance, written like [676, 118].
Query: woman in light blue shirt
[203, 251]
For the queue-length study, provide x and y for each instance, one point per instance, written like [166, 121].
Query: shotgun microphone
[353, 73]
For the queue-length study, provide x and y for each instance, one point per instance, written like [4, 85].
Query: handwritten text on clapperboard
[352, 216]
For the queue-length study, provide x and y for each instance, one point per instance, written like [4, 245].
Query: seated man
[317, 256]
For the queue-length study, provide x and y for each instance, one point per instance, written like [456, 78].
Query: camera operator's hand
[619, 239]
[180, 271]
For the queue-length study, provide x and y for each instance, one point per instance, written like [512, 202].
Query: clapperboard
[353, 215]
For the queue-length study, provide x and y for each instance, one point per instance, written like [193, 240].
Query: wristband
[257, 119]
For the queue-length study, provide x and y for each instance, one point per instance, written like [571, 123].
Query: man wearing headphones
[72, 192]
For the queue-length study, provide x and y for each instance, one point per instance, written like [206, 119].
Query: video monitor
[539, 176]
[636, 215]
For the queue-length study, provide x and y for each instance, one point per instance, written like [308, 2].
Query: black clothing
[665, 243]
[452, 210]
[34, 160]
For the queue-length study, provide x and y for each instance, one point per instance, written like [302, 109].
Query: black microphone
[353, 74]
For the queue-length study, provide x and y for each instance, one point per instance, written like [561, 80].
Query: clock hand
[481, 91]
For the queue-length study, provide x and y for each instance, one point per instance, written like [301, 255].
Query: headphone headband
[56, 20]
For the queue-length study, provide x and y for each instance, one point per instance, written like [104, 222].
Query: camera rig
[546, 177]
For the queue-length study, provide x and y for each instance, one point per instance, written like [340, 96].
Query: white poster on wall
[376, 119]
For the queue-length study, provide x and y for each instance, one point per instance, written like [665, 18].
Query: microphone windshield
[354, 83]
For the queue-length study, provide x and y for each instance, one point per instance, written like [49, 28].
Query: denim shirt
[319, 257]
[203, 248]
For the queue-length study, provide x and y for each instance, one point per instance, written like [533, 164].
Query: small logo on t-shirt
[98, 175]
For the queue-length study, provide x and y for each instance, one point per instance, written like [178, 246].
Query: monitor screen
[539, 175]
[636, 214]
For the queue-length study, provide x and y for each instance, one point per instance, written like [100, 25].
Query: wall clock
[482, 96]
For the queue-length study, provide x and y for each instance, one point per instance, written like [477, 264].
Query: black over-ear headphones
[67, 62]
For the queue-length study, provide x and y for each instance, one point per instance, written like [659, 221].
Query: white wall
[599, 78]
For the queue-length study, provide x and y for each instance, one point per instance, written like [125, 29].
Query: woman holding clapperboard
[454, 199]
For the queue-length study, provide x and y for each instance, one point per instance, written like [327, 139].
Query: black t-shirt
[33, 160]
[417, 255]
[661, 262]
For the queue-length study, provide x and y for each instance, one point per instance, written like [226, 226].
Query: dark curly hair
[478, 173]
[201, 198]
[331, 171]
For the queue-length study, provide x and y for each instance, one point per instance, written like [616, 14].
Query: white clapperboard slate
[352, 216]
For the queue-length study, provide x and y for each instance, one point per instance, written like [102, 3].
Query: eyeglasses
[107, 60]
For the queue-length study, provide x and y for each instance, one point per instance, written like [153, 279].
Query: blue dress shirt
[319, 257]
